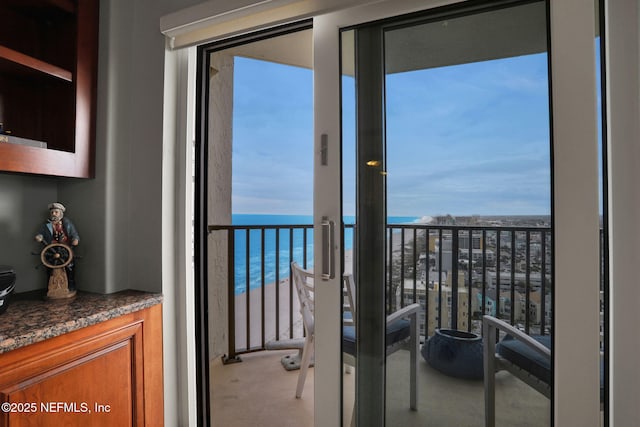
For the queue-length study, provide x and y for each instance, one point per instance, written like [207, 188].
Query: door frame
[575, 163]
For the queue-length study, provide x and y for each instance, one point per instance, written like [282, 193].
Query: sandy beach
[263, 323]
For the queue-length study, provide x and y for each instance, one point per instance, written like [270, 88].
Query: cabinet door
[96, 390]
[109, 374]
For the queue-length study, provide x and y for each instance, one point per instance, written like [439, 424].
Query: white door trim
[576, 215]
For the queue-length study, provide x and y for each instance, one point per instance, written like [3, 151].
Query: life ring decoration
[56, 255]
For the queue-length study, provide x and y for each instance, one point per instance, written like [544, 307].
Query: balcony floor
[259, 392]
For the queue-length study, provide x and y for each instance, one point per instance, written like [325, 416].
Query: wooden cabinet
[48, 69]
[109, 374]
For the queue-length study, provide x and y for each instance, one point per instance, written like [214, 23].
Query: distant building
[441, 252]
[535, 313]
[535, 279]
[463, 241]
[444, 220]
[519, 305]
[493, 306]
[477, 255]
[437, 306]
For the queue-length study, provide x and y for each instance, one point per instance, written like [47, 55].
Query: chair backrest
[348, 300]
[303, 282]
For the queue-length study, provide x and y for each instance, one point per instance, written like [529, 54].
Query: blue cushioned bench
[397, 331]
[526, 358]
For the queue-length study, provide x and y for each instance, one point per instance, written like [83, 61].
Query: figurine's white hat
[57, 205]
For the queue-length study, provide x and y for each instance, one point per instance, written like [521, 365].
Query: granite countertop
[29, 318]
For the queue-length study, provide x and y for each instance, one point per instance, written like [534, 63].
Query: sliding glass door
[456, 144]
[453, 134]
[459, 155]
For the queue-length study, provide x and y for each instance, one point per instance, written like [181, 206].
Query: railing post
[231, 300]
[247, 286]
[470, 281]
[543, 284]
[527, 285]
[262, 288]
[440, 252]
[277, 274]
[415, 265]
[512, 293]
[498, 262]
[484, 274]
[454, 279]
[290, 283]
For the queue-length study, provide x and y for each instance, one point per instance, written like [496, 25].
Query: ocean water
[281, 246]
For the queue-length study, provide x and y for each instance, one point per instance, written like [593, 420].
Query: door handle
[328, 254]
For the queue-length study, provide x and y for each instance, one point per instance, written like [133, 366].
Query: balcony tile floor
[259, 392]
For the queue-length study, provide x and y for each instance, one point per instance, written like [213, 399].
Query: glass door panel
[260, 213]
[468, 160]
[447, 169]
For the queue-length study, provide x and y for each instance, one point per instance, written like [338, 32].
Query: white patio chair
[402, 329]
[303, 283]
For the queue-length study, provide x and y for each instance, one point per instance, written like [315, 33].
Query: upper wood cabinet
[48, 69]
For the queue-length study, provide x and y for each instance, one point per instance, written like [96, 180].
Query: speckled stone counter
[30, 319]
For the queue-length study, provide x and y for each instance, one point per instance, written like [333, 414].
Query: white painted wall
[120, 213]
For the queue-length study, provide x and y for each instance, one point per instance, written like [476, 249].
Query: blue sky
[466, 139]
[479, 134]
[272, 138]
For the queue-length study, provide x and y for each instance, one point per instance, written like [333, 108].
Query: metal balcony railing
[456, 273]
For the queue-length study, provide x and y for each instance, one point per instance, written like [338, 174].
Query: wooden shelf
[11, 60]
[48, 83]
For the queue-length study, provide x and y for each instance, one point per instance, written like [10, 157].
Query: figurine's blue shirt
[47, 231]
